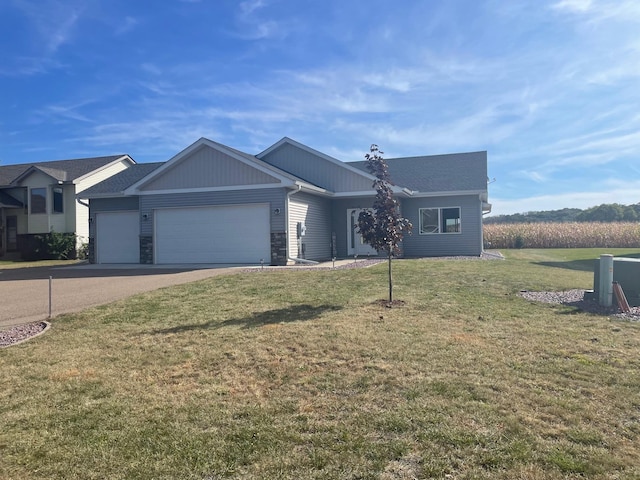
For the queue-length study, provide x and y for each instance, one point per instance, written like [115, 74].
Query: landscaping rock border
[22, 333]
[576, 298]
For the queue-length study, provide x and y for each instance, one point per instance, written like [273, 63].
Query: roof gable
[209, 165]
[316, 167]
[60, 170]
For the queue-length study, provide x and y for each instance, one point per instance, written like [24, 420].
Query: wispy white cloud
[250, 6]
[54, 20]
[28, 66]
[252, 26]
[65, 112]
[580, 6]
[626, 194]
[151, 68]
[592, 12]
[126, 25]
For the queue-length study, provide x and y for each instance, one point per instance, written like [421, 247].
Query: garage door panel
[220, 234]
[118, 237]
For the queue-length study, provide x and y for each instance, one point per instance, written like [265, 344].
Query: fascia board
[93, 172]
[313, 188]
[99, 195]
[447, 193]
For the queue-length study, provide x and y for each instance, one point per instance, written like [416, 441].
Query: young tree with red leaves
[384, 227]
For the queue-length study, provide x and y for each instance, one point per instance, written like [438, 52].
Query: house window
[439, 220]
[58, 200]
[38, 200]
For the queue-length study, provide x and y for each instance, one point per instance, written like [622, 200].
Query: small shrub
[55, 246]
[83, 251]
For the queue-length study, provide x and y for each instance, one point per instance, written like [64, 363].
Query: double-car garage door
[221, 234]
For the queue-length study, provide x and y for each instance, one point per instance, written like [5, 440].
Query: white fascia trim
[447, 193]
[210, 189]
[312, 188]
[93, 172]
[317, 153]
[401, 192]
[82, 196]
[365, 193]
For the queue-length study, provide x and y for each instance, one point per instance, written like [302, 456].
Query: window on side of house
[58, 200]
[38, 200]
[439, 220]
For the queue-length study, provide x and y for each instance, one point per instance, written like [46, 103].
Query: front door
[355, 244]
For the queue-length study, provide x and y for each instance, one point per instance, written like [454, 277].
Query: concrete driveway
[24, 292]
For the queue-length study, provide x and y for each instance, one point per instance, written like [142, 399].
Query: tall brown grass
[563, 235]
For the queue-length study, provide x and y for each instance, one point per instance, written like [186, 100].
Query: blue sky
[550, 88]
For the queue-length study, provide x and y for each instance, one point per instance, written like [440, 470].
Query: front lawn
[302, 375]
[5, 264]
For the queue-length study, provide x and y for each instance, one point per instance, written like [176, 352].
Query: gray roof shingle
[8, 201]
[437, 173]
[62, 170]
[121, 180]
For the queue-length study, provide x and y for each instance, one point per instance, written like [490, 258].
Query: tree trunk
[390, 281]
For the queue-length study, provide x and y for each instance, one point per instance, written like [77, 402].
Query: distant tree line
[607, 212]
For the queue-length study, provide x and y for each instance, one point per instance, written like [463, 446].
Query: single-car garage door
[222, 234]
[117, 237]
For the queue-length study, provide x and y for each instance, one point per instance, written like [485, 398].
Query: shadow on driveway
[90, 270]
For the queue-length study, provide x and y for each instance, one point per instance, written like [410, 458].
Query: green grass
[5, 264]
[294, 375]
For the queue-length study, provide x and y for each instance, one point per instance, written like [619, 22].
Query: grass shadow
[583, 264]
[580, 265]
[294, 313]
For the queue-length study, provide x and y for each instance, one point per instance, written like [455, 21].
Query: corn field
[562, 235]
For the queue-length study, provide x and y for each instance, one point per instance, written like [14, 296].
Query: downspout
[88, 217]
[286, 213]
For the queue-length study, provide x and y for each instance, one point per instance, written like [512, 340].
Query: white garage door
[225, 234]
[117, 237]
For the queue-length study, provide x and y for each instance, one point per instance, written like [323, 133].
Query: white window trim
[439, 209]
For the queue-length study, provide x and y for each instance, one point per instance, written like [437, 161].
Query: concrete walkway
[24, 292]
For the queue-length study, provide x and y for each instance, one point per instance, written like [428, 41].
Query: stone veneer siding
[279, 248]
[146, 250]
[92, 250]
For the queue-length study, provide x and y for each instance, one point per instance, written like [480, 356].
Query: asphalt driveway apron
[24, 292]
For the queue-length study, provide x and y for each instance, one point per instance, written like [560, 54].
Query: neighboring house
[38, 198]
[213, 204]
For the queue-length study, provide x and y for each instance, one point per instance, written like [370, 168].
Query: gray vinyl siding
[468, 242]
[207, 167]
[315, 213]
[317, 170]
[276, 197]
[120, 204]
